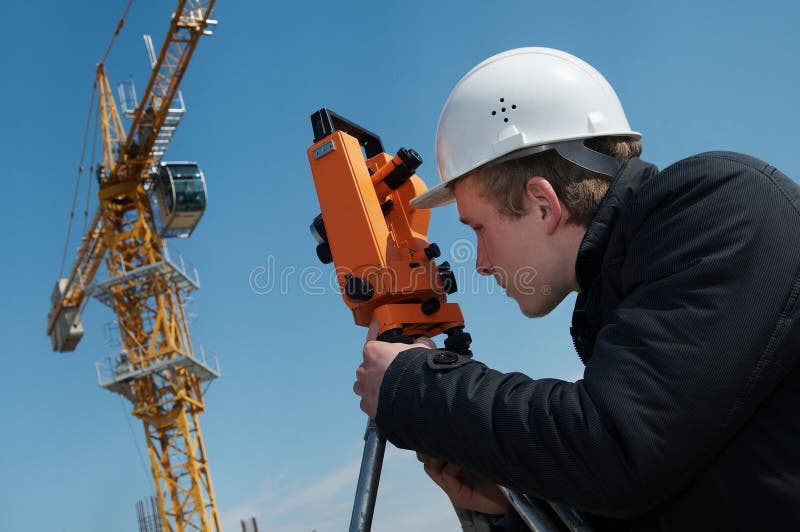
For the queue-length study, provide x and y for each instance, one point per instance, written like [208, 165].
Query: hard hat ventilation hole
[504, 109]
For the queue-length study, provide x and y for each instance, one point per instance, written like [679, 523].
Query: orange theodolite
[385, 266]
[378, 243]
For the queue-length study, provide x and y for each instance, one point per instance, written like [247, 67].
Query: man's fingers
[433, 468]
[464, 488]
[369, 347]
[452, 473]
[427, 342]
[434, 463]
[455, 487]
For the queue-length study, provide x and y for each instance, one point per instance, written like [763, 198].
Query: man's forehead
[463, 186]
[469, 201]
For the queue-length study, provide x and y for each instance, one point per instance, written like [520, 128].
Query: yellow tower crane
[157, 368]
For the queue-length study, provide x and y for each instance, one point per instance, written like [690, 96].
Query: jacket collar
[592, 249]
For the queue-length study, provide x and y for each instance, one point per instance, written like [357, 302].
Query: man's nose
[482, 264]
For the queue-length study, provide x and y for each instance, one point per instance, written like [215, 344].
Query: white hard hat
[520, 102]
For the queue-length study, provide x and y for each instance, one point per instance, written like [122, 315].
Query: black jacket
[688, 321]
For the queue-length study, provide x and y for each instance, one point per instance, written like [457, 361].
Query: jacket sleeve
[710, 288]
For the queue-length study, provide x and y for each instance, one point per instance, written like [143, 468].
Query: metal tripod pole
[537, 519]
[368, 477]
[534, 516]
[531, 512]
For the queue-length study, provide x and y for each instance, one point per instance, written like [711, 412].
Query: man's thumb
[372, 333]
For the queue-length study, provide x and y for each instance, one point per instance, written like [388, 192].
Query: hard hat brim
[437, 196]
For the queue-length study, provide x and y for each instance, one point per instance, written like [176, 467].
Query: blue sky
[282, 427]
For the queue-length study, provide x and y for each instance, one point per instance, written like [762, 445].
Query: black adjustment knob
[458, 341]
[433, 251]
[410, 157]
[324, 253]
[395, 336]
[431, 306]
[387, 206]
[358, 289]
[410, 162]
[318, 229]
[448, 278]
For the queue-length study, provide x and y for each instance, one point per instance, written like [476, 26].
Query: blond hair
[579, 189]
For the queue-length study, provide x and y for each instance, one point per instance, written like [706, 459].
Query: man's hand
[465, 489]
[377, 357]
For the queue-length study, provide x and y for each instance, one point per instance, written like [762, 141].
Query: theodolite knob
[324, 253]
[318, 229]
[432, 251]
[458, 341]
[431, 306]
[358, 289]
[448, 278]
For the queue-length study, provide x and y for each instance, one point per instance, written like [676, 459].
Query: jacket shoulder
[744, 179]
[734, 157]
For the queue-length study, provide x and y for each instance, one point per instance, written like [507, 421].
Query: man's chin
[535, 313]
[539, 308]
[530, 310]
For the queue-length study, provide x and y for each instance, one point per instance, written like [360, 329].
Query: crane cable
[78, 181]
[120, 24]
[117, 30]
[147, 472]
[91, 173]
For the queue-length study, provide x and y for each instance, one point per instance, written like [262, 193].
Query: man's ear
[544, 203]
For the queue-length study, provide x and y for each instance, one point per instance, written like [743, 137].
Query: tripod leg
[530, 512]
[575, 520]
[368, 477]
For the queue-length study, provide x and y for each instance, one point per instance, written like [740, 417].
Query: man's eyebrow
[464, 221]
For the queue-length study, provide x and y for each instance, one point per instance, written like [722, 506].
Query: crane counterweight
[67, 329]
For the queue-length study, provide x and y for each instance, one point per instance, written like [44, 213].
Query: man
[687, 316]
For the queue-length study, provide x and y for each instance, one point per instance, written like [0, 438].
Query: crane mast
[157, 369]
